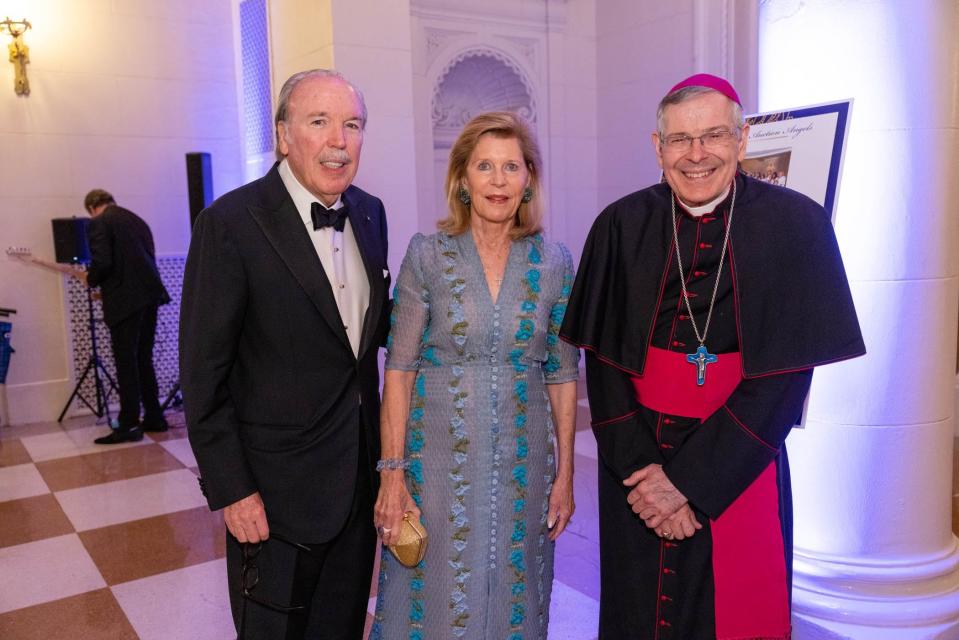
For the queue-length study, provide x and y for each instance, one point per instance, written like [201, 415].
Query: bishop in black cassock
[691, 403]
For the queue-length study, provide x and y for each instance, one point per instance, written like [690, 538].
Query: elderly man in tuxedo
[285, 304]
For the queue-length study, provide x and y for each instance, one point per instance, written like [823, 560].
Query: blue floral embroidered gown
[480, 437]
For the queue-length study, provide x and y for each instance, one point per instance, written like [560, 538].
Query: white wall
[572, 128]
[644, 47]
[120, 92]
[371, 44]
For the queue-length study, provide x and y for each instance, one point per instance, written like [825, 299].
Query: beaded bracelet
[393, 463]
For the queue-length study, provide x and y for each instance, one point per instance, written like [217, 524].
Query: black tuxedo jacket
[274, 396]
[123, 264]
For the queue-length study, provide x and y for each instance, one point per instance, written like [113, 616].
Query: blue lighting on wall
[255, 56]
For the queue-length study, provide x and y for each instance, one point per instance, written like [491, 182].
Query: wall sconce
[19, 53]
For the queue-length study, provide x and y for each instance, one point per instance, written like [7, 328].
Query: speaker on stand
[199, 182]
[71, 247]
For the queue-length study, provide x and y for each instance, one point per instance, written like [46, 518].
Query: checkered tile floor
[116, 542]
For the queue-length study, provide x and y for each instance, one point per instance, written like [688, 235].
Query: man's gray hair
[688, 93]
[283, 101]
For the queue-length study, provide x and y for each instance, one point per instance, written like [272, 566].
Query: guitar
[24, 254]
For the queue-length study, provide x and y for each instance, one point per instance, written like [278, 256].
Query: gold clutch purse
[410, 546]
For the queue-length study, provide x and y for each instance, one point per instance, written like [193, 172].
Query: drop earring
[464, 196]
[527, 195]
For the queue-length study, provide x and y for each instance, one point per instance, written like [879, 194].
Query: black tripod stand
[102, 379]
[174, 398]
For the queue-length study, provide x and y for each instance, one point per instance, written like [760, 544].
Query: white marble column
[875, 556]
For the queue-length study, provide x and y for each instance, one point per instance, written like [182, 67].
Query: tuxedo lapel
[368, 241]
[284, 229]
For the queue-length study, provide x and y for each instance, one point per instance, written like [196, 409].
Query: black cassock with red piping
[782, 307]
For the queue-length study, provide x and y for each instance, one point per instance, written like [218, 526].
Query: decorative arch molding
[452, 107]
[482, 50]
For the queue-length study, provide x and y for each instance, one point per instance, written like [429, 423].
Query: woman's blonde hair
[500, 124]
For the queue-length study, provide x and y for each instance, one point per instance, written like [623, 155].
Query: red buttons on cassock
[705, 245]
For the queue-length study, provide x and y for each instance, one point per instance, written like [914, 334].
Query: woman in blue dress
[479, 404]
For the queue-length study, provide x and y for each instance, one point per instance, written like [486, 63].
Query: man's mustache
[341, 156]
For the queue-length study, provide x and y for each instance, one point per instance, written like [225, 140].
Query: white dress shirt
[340, 257]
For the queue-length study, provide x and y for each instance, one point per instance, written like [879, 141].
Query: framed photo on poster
[801, 149]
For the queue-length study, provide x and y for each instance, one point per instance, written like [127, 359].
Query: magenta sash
[749, 569]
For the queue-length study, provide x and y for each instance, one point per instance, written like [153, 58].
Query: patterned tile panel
[165, 357]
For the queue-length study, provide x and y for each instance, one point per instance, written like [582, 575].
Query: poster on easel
[801, 149]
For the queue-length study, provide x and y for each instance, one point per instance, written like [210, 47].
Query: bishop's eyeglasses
[680, 142]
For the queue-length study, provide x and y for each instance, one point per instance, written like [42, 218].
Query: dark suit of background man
[284, 308]
[123, 265]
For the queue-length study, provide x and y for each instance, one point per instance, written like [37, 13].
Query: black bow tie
[323, 217]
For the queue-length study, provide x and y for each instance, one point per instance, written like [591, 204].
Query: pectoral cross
[701, 358]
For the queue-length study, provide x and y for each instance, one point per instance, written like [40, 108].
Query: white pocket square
[386, 273]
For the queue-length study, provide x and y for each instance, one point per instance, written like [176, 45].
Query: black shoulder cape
[793, 306]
